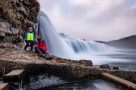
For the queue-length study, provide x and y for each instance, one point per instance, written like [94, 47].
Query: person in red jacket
[41, 47]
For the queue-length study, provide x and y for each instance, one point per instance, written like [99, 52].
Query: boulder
[105, 66]
[115, 68]
[86, 62]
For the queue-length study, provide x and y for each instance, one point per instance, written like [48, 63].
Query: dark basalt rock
[105, 66]
[115, 68]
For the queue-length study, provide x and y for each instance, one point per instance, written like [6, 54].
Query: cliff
[15, 16]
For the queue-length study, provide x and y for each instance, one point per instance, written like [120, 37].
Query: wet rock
[115, 68]
[86, 62]
[105, 66]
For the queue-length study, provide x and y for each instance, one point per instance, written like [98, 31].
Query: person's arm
[25, 35]
[45, 46]
[34, 42]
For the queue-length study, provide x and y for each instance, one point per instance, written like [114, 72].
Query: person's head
[30, 29]
[39, 38]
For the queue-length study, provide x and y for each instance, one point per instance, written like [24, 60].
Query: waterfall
[55, 44]
[66, 46]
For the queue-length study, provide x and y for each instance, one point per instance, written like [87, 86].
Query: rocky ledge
[12, 58]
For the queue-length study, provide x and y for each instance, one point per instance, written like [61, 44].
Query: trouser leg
[45, 53]
[27, 44]
[38, 51]
[32, 44]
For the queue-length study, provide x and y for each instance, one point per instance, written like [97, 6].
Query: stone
[115, 68]
[7, 45]
[105, 66]
[14, 31]
[4, 86]
[2, 34]
[5, 27]
[86, 62]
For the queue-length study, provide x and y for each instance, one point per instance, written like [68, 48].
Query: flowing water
[65, 46]
[72, 48]
[93, 84]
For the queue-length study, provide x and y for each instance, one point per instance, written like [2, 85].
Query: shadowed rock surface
[15, 16]
[105, 66]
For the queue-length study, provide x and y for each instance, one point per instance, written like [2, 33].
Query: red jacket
[42, 45]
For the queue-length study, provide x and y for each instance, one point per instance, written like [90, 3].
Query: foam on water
[43, 81]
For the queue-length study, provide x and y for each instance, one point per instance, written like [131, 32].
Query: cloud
[92, 19]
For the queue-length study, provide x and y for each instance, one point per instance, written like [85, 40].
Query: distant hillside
[127, 42]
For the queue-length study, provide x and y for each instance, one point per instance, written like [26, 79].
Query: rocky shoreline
[55, 66]
[12, 58]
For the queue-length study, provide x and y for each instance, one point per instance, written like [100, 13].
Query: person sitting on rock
[41, 47]
[29, 38]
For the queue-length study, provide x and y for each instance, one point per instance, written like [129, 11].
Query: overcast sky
[92, 19]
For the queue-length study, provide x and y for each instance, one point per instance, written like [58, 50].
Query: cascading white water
[83, 45]
[64, 46]
[55, 44]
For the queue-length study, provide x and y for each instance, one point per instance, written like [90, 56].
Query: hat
[39, 37]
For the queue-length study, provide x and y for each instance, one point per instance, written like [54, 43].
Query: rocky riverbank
[13, 58]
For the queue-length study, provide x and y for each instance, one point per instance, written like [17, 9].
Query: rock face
[15, 16]
[127, 42]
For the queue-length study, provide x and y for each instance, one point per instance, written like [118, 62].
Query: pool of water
[90, 84]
